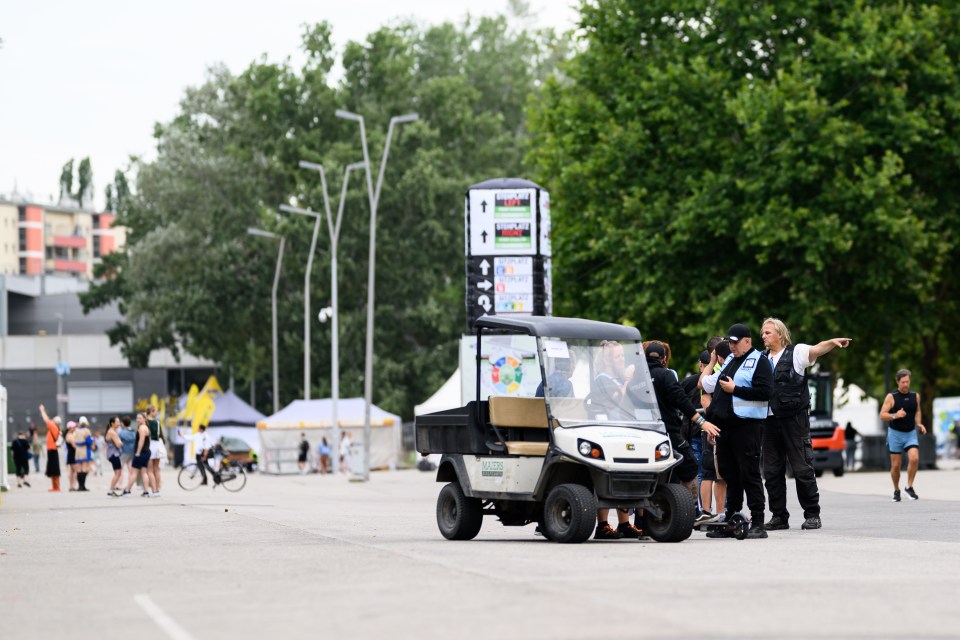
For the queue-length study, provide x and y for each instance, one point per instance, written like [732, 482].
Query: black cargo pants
[738, 461]
[788, 440]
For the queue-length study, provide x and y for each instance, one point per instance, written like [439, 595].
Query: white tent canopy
[446, 397]
[280, 433]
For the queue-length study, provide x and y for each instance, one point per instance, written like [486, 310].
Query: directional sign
[502, 222]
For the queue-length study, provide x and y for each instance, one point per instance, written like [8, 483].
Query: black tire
[190, 477]
[569, 513]
[458, 517]
[542, 524]
[678, 509]
[818, 472]
[838, 471]
[233, 478]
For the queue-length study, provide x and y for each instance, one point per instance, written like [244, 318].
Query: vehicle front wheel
[458, 517]
[677, 512]
[838, 471]
[569, 513]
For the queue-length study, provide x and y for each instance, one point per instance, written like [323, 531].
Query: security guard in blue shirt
[741, 391]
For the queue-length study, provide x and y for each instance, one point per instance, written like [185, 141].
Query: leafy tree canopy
[191, 277]
[724, 161]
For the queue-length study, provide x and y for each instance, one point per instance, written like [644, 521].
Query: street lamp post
[374, 197]
[334, 228]
[273, 299]
[59, 368]
[306, 296]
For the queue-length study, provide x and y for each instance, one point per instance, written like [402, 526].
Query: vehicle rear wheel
[818, 472]
[838, 471]
[458, 517]
[569, 513]
[677, 510]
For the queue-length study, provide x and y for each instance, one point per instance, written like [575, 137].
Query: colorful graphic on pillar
[507, 373]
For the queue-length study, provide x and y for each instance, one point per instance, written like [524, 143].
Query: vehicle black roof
[505, 183]
[559, 327]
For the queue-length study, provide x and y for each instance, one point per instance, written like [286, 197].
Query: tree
[730, 160]
[84, 183]
[66, 180]
[190, 276]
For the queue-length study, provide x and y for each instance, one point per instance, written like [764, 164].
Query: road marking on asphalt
[163, 621]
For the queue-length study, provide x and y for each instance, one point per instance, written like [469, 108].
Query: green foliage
[84, 182]
[190, 275]
[725, 161]
[66, 180]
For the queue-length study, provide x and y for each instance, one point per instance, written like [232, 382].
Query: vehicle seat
[518, 415]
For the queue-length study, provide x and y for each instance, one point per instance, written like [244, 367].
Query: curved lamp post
[374, 197]
[273, 300]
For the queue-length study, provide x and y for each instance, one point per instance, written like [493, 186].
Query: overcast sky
[90, 78]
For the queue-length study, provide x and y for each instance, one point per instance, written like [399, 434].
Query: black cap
[704, 357]
[656, 351]
[738, 331]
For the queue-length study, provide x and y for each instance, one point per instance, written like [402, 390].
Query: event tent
[231, 417]
[446, 397]
[280, 433]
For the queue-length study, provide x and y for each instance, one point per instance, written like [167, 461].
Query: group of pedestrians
[754, 421]
[323, 453]
[131, 450]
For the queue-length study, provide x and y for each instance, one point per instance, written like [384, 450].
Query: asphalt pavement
[321, 557]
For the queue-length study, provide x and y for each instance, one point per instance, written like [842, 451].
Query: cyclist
[204, 449]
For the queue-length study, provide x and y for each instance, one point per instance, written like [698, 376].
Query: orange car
[825, 434]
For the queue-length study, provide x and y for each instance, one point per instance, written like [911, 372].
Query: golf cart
[553, 460]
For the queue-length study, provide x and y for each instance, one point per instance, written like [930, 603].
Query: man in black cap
[673, 403]
[741, 391]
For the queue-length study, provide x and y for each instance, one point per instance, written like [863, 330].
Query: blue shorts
[900, 441]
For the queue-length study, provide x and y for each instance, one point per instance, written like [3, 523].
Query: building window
[22, 214]
[23, 265]
[23, 239]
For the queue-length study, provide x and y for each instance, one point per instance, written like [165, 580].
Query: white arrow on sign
[484, 301]
[484, 284]
[484, 267]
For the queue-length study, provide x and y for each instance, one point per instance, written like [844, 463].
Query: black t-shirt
[689, 384]
[304, 447]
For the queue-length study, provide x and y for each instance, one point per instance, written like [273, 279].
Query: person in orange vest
[53, 457]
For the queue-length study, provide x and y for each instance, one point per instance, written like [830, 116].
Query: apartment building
[46, 239]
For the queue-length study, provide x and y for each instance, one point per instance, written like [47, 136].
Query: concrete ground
[320, 557]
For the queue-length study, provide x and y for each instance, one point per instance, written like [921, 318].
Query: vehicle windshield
[598, 382]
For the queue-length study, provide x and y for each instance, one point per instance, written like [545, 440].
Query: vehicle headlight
[589, 450]
[663, 451]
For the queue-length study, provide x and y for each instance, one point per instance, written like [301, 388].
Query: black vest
[908, 402]
[791, 395]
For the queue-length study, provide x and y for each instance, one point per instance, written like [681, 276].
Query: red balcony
[71, 266]
[70, 242]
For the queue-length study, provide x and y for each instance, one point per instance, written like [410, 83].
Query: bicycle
[232, 476]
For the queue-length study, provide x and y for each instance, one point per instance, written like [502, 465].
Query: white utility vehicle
[594, 439]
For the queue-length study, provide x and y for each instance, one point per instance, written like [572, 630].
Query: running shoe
[813, 522]
[627, 530]
[896, 495]
[777, 523]
[705, 517]
[913, 494]
[606, 532]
